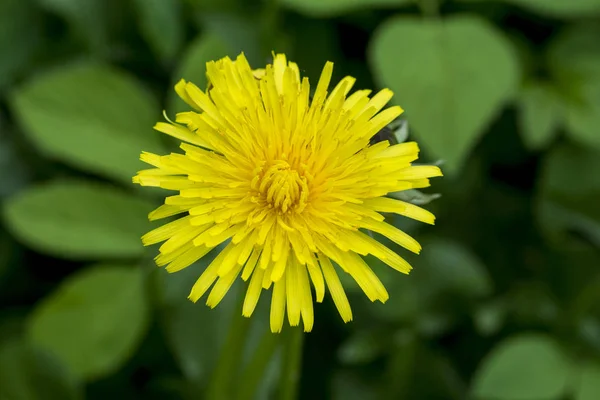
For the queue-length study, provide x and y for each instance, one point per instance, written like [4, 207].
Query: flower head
[289, 185]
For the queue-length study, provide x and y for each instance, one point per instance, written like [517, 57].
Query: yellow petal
[253, 293]
[278, 306]
[335, 288]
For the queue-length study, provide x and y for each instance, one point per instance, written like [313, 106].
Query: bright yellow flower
[287, 184]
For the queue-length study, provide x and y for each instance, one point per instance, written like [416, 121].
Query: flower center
[281, 187]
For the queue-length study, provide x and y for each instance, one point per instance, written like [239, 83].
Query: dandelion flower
[288, 186]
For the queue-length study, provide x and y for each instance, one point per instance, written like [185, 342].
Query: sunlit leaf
[79, 220]
[91, 116]
[94, 320]
[526, 367]
[440, 73]
[588, 387]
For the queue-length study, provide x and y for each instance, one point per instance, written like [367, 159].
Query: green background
[502, 304]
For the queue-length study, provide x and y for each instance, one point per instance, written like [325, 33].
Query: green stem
[227, 368]
[292, 364]
[255, 370]
[430, 8]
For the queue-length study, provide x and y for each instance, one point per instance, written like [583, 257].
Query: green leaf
[556, 8]
[94, 320]
[79, 220]
[525, 367]
[27, 373]
[329, 8]
[162, 25]
[88, 19]
[19, 37]
[588, 387]
[540, 114]
[441, 73]
[574, 60]
[193, 67]
[567, 205]
[91, 116]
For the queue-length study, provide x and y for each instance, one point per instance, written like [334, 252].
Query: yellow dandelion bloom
[287, 184]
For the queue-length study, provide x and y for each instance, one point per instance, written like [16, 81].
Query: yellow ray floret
[288, 184]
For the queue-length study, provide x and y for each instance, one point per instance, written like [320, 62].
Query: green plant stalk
[255, 370]
[292, 364]
[228, 364]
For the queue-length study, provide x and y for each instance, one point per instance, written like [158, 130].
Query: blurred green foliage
[503, 303]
